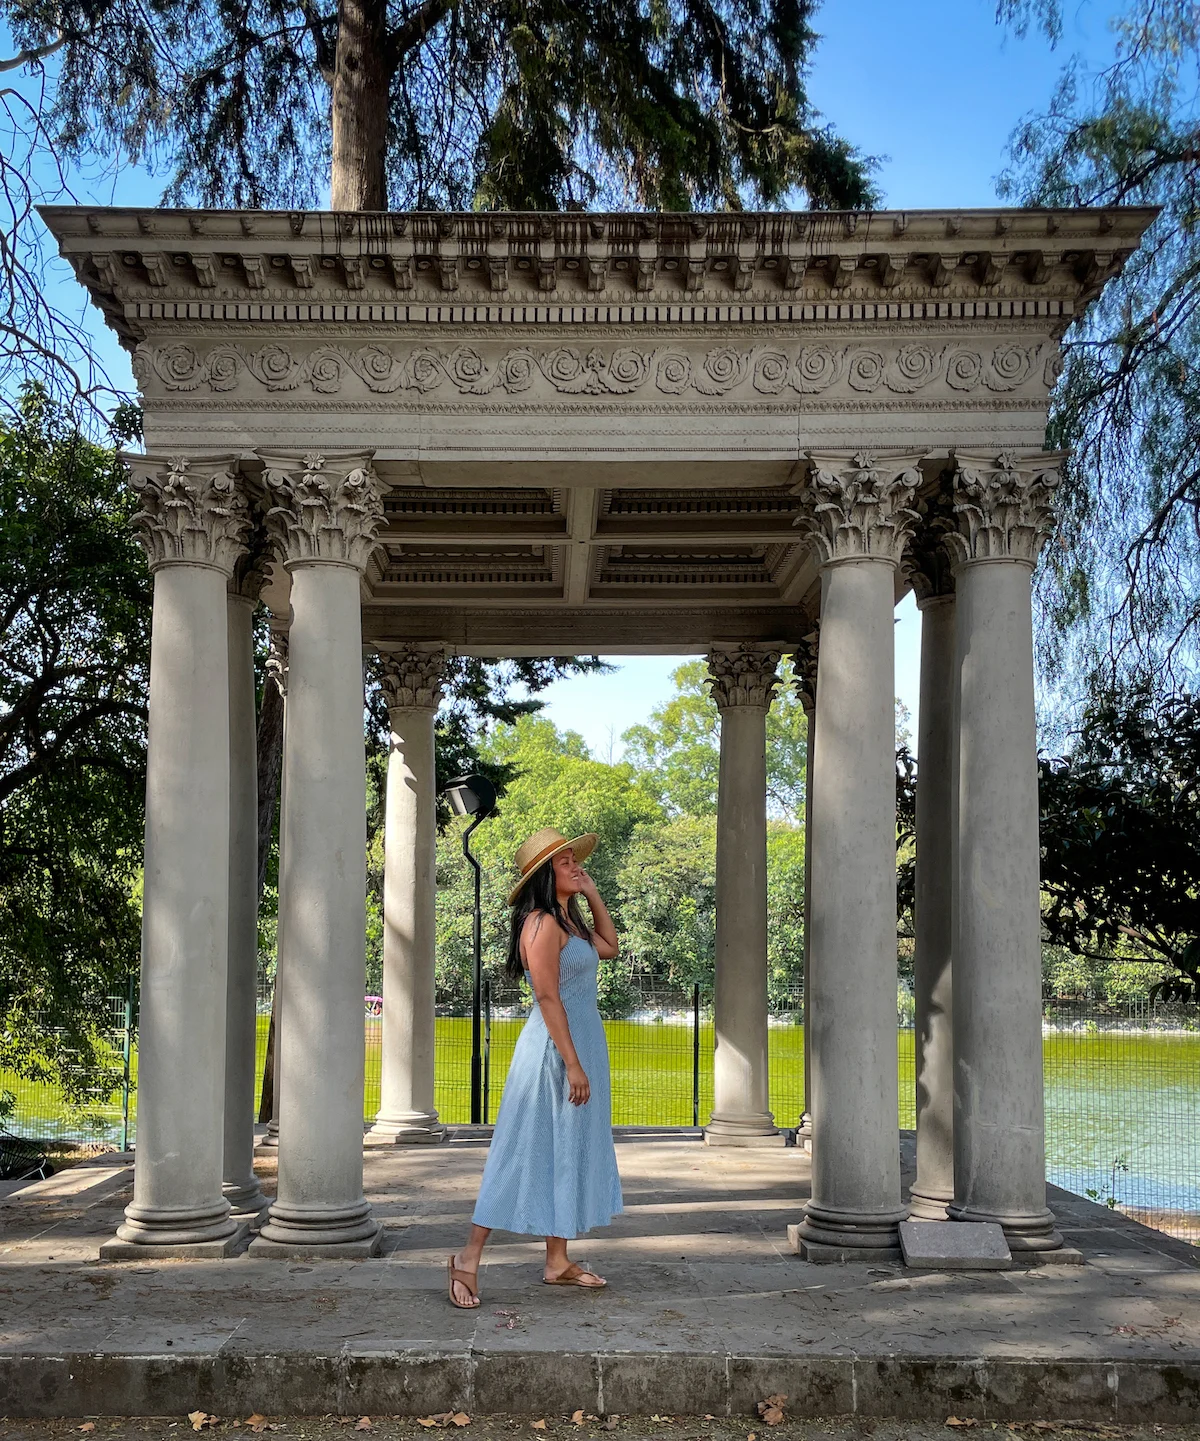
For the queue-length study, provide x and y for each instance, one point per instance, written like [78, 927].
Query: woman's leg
[557, 1261]
[468, 1260]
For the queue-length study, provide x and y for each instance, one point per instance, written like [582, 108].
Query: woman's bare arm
[605, 936]
[543, 940]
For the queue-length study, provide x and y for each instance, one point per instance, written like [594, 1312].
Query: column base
[263, 1249]
[271, 1139]
[1029, 1234]
[317, 1230]
[246, 1200]
[414, 1128]
[123, 1247]
[804, 1133]
[929, 1205]
[821, 1255]
[855, 1231]
[159, 1226]
[758, 1128]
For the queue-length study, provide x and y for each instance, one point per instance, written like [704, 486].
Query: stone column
[1003, 510]
[937, 735]
[240, 1184]
[192, 524]
[858, 517]
[805, 663]
[412, 683]
[742, 681]
[325, 516]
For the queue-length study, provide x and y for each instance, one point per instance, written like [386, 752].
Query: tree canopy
[514, 104]
[1122, 586]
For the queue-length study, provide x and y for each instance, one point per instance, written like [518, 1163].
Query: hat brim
[583, 846]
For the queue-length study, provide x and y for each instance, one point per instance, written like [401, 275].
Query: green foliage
[74, 614]
[679, 747]
[1121, 836]
[785, 913]
[668, 906]
[510, 104]
[1122, 587]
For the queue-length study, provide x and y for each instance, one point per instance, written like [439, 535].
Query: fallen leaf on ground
[88, 1426]
[609, 1424]
[201, 1419]
[771, 1410]
[256, 1422]
[961, 1421]
[363, 1423]
[577, 1417]
[426, 1421]
[538, 1425]
[460, 1418]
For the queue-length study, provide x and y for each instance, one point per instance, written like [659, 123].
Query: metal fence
[1122, 1085]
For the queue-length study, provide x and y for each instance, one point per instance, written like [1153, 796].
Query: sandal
[572, 1276]
[466, 1279]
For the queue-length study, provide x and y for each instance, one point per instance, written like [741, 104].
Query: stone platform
[707, 1310]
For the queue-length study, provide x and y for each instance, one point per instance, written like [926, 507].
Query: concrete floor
[707, 1311]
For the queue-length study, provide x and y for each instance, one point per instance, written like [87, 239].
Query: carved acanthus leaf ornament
[325, 507]
[194, 511]
[412, 676]
[804, 667]
[929, 561]
[1003, 506]
[744, 675]
[860, 507]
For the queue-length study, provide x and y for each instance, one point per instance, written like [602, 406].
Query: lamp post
[474, 796]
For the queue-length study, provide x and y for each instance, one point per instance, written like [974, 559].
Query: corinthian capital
[1004, 507]
[323, 507]
[412, 676]
[804, 667]
[744, 675]
[194, 511]
[928, 563]
[859, 507]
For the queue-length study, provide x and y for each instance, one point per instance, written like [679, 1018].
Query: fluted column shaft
[857, 516]
[240, 1185]
[806, 673]
[1003, 509]
[324, 524]
[933, 1189]
[412, 683]
[192, 523]
[742, 682]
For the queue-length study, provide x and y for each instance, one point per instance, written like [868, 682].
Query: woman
[551, 1169]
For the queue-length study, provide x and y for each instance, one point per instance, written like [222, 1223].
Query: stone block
[721, 1138]
[143, 1251]
[519, 1383]
[821, 1255]
[261, 1249]
[954, 1246]
[640, 1383]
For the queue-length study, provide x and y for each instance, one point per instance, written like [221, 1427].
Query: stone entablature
[580, 421]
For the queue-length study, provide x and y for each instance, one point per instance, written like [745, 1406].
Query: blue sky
[934, 88]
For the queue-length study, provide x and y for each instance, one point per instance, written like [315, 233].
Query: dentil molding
[767, 370]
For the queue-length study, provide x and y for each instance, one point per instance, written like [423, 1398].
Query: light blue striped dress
[551, 1168]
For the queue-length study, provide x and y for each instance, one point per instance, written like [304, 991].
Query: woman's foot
[463, 1282]
[573, 1275]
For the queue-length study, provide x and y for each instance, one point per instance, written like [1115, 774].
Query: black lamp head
[471, 795]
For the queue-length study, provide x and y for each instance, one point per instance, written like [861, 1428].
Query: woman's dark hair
[539, 893]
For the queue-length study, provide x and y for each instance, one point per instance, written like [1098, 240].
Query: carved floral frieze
[766, 370]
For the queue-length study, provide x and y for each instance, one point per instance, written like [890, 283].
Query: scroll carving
[745, 676]
[1003, 507]
[193, 511]
[325, 507]
[412, 676]
[860, 507]
[766, 370]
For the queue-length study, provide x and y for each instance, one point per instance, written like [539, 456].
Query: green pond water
[1122, 1107]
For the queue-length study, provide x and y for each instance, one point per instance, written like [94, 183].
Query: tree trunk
[361, 84]
[270, 756]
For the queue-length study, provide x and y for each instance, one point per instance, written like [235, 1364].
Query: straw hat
[541, 847]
